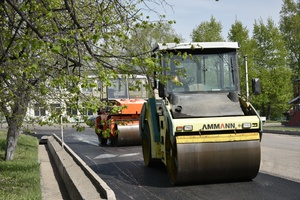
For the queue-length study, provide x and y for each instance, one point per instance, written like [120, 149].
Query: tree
[142, 42]
[290, 26]
[48, 50]
[239, 33]
[208, 31]
[270, 67]
[158, 33]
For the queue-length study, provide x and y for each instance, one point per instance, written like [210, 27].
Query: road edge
[81, 181]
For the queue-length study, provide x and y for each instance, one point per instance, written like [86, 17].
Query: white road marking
[129, 154]
[112, 155]
[87, 141]
[105, 156]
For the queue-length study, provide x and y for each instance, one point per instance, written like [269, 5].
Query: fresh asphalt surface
[122, 168]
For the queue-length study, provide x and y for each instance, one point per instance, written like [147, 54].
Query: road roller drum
[128, 135]
[214, 162]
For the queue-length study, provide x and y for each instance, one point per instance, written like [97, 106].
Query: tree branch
[25, 19]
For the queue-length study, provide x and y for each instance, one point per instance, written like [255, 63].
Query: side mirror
[255, 86]
[161, 90]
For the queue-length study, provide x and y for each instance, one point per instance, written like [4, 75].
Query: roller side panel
[149, 119]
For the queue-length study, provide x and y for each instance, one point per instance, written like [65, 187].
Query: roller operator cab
[199, 126]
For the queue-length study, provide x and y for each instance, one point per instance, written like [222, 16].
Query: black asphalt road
[122, 168]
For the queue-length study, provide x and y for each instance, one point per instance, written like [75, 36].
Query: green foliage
[239, 33]
[159, 32]
[208, 31]
[290, 26]
[266, 59]
[52, 51]
[20, 178]
[271, 68]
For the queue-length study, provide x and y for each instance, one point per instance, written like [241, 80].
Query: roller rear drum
[128, 135]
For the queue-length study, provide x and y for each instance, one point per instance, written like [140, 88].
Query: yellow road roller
[198, 124]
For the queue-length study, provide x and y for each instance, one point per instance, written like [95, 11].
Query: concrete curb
[282, 132]
[81, 181]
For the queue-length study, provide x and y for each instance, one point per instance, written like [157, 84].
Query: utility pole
[246, 72]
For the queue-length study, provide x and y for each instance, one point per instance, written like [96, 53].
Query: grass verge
[279, 127]
[282, 128]
[20, 178]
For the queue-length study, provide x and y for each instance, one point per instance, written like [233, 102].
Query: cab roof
[196, 45]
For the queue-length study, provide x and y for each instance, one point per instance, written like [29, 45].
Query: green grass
[20, 178]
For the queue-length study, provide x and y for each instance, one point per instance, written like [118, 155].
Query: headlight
[246, 125]
[188, 128]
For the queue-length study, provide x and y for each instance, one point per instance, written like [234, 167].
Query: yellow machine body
[202, 136]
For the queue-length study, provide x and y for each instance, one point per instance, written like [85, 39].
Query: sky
[188, 14]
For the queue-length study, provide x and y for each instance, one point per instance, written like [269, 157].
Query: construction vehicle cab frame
[199, 126]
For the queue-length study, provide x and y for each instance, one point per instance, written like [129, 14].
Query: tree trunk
[14, 123]
[11, 141]
[263, 111]
[269, 112]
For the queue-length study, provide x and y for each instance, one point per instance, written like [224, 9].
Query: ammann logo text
[219, 126]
